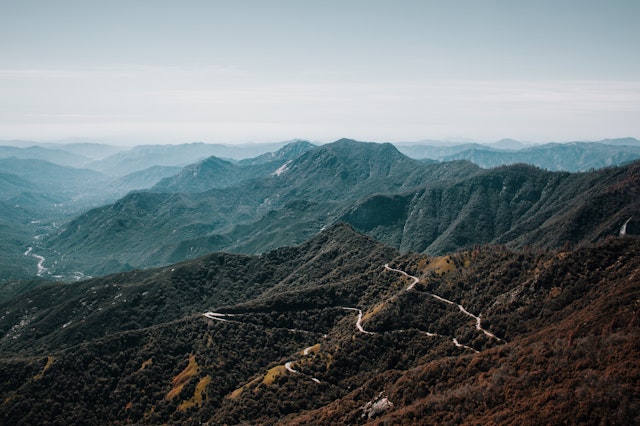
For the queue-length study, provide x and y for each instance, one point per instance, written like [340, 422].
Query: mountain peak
[288, 152]
[357, 148]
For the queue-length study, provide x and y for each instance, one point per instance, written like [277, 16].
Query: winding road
[460, 345]
[414, 280]
[477, 318]
[289, 365]
[41, 268]
[623, 229]
[359, 321]
[217, 316]
[290, 369]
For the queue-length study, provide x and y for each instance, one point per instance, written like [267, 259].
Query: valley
[246, 207]
[307, 213]
[337, 284]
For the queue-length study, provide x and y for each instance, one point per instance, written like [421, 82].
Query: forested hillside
[340, 329]
[256, 215]
[430, 208]
[516, 205]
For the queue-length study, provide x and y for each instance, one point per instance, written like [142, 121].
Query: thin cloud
[207, 102]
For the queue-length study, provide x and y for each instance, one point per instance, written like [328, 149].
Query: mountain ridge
[426, 208]
[347, 180]
[313, 189]
[574, 156]
[214, 172]
[517, 205]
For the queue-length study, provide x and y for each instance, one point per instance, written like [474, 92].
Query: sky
[155, 71]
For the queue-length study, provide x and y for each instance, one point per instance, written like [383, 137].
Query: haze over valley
[319, 213]
[150, 207]
[360, 266]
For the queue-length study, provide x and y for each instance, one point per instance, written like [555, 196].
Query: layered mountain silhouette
[572, 157]
[214, 172]
[306, 194]
[413, 206]
[286, 197]
[144, 156]
[54, 155]
[337, 284]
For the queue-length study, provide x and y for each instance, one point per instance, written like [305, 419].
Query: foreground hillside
[339, 330]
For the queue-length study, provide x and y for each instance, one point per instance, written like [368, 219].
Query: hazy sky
[230, 71]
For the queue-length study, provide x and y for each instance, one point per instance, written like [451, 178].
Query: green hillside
[151, 229]
[431, 208]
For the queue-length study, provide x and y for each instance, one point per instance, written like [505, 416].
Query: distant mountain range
[118, 161]
[413, 206]
[214, 172]
[345, 283]
[145, 156]
[57, 156]
[307, 193]
[573, 156]
[286, 196]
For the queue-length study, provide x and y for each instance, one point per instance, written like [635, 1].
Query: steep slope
[349, 169]
[34, 195]
[209, 173]
[310, 192]
[288, 152]
[325, 333]
[50, 191]
[11, 185]
[434, 209]
[515, 205]
[46, 194]
[141, 299]
[53, 178]
[145, 156]
[574, 359]
[143, 179]
[16, 234]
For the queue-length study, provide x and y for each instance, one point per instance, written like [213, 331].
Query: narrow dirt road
[41, 268]
[359, 321]
[414, 280]
[477, 318]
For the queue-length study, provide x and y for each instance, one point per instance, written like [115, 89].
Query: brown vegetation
[571, 319]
